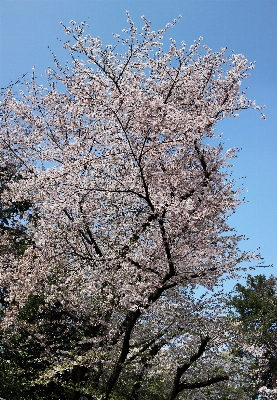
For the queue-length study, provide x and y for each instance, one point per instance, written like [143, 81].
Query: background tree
[256, 307]
[132, 201]
[15, 239]
[11, 213]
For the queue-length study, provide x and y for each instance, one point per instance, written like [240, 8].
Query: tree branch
[131, 320]
[177, 386]
[208, 382]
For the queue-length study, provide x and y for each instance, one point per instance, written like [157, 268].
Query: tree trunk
[273, 377]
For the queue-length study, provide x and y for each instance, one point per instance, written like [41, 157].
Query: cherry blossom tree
[132, 200]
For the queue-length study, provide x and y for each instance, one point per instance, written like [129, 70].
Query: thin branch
[14, 83]
[173, 84]
[87, 235]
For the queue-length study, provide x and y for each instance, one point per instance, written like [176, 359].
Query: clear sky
[28, 27]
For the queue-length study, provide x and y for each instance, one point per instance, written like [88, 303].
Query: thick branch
[131, 320]
[171, 272]
[181, 370]
[208, 382]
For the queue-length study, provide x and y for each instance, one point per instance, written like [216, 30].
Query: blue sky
[28, 27]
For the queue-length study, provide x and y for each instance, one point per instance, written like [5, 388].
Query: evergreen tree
[256, 307]
[14, 215]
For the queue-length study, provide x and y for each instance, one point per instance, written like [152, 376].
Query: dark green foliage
[22, 352]
[256, 308]
[14, 216]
